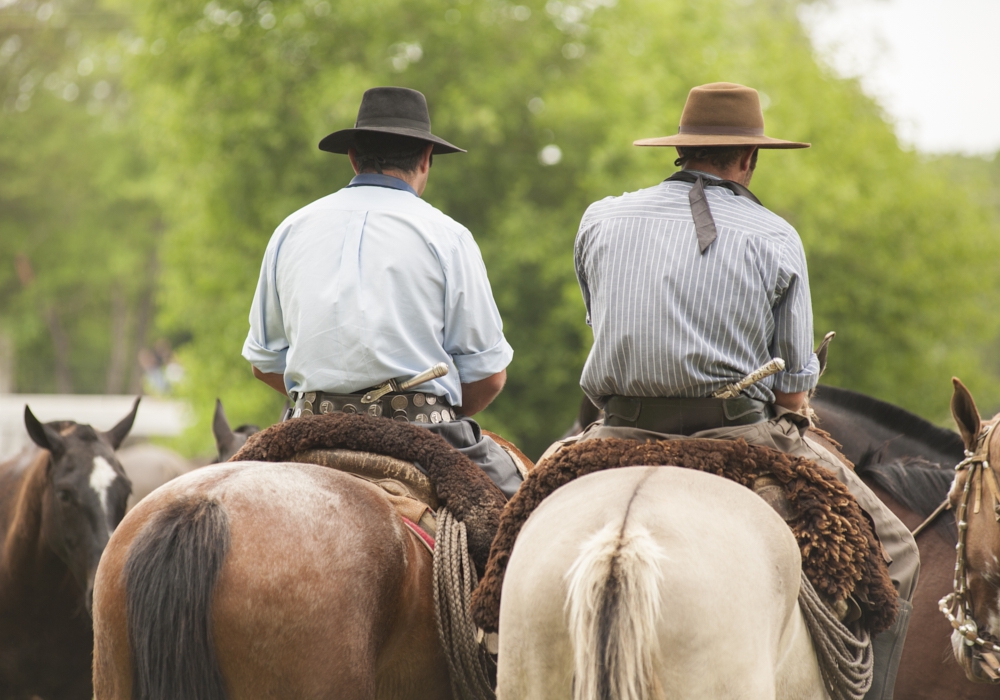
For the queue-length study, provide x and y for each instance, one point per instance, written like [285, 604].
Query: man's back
[671, 321]
[372, 282]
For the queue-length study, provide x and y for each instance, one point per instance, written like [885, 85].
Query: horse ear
[224, 437]
[116, 436]
[822, 349]
[41, 434]
[965, 413]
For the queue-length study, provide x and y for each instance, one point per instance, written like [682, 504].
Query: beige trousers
[786, 433]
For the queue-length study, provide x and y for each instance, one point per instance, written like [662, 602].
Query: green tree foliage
[77, 226]
[547, 97]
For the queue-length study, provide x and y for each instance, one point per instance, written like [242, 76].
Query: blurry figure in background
[161, 371]
[372, 283]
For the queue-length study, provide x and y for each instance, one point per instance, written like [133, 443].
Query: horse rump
[169, 576]
[613, 606]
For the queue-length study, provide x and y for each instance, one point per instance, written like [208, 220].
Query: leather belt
[684, 416]
[402, 406]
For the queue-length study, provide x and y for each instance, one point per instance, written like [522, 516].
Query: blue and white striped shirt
[671, 322]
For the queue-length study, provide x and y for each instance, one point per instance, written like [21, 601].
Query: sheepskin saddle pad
[840, 554]
[452, 481]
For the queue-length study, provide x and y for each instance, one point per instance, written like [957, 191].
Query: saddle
[417, 469]
[841, 556]
[407, 488]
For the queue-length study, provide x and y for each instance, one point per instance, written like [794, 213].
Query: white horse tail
[613, 607]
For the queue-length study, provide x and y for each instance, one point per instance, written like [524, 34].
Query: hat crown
[393, 106]
[722, 106]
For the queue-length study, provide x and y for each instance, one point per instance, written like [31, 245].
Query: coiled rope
[470, 666]
[844, 659]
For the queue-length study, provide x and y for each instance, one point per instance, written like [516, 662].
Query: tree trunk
[60, 343]
[118, 363]
[144, 314]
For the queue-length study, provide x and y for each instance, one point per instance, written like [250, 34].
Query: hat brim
[691, 140]
[340, 141]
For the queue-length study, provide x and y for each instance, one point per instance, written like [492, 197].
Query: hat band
[720, 130]
[393, 121]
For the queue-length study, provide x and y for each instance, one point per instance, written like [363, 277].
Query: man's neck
[732, 174]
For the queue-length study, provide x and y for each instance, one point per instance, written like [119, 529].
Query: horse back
[728, 578]
[307, 597]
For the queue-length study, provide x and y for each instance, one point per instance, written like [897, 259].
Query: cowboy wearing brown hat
[372, 284]
[690, 286]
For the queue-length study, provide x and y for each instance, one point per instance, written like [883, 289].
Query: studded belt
[403, 406]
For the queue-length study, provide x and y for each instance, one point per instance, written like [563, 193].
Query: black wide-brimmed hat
[390, 110]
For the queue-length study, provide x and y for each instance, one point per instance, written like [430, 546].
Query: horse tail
[614, 606]
[169, 579]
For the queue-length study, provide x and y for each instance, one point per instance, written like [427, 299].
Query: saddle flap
[376, 468]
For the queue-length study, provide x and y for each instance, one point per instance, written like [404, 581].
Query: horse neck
[22, 547]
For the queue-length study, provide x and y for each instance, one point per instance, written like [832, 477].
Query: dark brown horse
[909, 464]
[58, 507]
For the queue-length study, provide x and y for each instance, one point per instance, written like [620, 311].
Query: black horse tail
[169, 578]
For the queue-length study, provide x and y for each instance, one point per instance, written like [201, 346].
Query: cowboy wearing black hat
[692, 285]
[372, 284]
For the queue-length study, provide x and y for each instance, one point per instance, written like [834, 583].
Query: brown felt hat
[721, 114]
[390, 110]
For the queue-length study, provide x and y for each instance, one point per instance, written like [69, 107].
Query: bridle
[956, 606]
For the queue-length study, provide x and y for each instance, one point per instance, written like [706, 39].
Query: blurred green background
[149, 148]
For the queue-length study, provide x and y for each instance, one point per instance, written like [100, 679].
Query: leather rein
[956, 606]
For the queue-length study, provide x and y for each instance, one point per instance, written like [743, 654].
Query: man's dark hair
[719, 156]
[378, 151]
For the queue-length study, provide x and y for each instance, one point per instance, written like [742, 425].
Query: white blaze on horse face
[101, 478]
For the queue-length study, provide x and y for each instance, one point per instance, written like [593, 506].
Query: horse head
[228, 441]
[974, 606]
[85, 492]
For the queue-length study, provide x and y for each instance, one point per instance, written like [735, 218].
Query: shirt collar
[377, 180]
[707, 176]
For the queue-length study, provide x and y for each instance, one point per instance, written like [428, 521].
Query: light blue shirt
[670, 321]
[372, 283]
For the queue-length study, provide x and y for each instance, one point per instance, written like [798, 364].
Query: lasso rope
[454, 580]
[844, 659]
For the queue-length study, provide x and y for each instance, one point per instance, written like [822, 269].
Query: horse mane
[895, 418]
[25, 508]
[917, 484]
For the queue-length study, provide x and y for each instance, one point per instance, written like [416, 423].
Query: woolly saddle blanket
[458, 484]
[840, 554]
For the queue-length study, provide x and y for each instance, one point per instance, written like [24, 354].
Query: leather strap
[704, 223]
[684, 416]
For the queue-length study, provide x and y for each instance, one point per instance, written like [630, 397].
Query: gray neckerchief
[704, 224]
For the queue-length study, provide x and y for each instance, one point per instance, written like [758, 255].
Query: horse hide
[840, 554]
[461, 486]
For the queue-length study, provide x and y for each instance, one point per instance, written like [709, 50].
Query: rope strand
[844, 659]
[469, 664]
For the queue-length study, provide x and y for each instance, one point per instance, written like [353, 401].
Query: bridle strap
[956, 606]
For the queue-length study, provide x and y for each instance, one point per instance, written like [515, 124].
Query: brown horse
[252, 580]
[58, 507]
[908, 463]
[975, 498]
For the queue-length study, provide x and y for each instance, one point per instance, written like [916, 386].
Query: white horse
[649, 583]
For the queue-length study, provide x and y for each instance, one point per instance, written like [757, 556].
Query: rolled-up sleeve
[266, 345]
[473, 329]
[793, 325]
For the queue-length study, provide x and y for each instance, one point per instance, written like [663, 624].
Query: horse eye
[64, 495]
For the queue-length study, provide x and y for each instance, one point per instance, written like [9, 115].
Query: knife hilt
[438, 370]
[733, 390]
